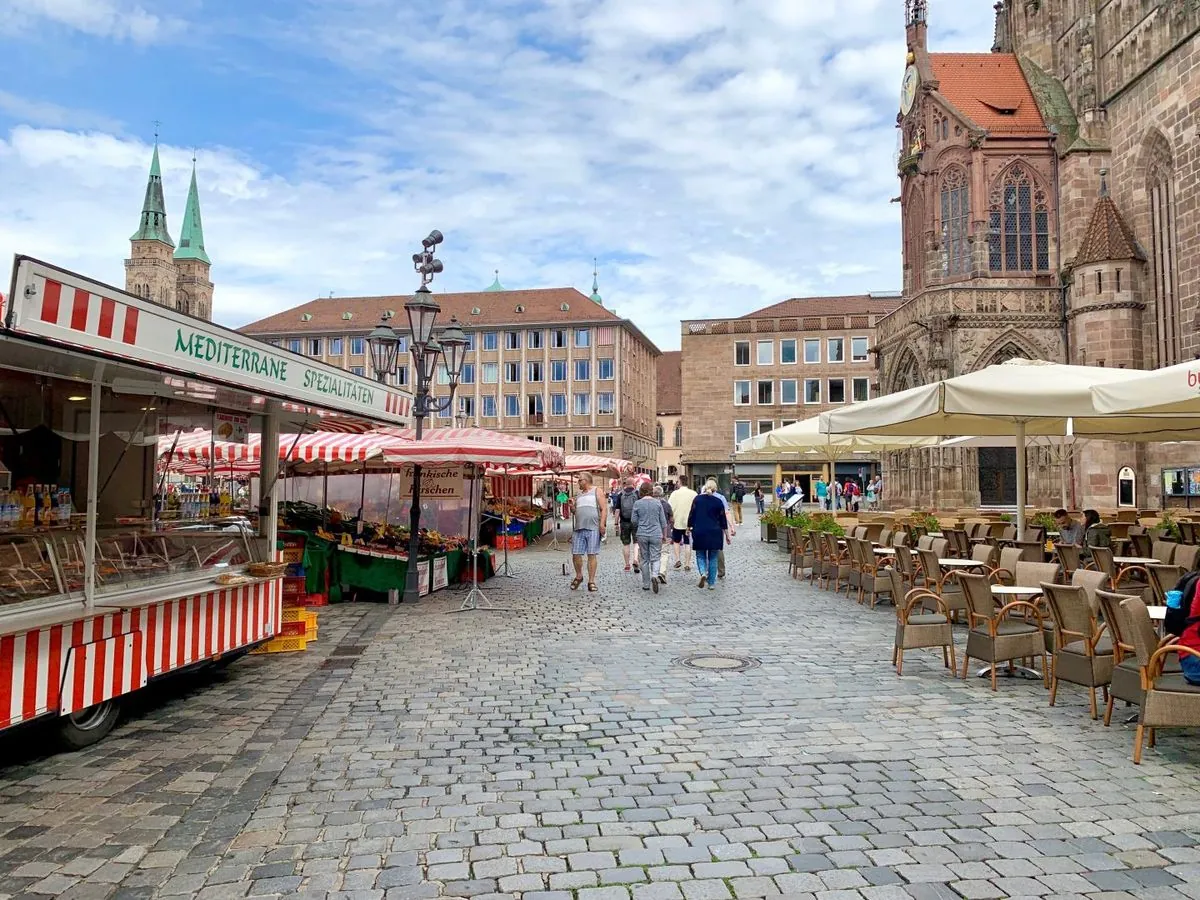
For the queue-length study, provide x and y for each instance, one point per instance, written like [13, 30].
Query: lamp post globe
[454, 346]
[422, 312]
[383, 344]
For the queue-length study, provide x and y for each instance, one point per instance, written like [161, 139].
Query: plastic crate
[287, 644]
[310, 633]
[514, 541]
[293, 587]
[292, 555]
[316, 600]
[294, 629]
[298, 614]
[294, 570]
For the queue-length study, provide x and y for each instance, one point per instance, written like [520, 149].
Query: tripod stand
[476, 599]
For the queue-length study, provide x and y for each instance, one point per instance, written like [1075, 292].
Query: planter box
[768, 533]
[785, 540]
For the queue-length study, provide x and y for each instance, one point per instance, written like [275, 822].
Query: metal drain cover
[718, 662]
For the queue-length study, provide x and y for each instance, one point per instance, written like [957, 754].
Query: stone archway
[906, 373]
[1008, 346]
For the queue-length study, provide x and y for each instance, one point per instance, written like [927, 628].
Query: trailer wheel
[88, 726]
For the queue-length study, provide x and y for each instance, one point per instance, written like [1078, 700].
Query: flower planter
[768, 533]
[785, 540]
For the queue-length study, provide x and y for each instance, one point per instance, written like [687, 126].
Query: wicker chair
[1187, 556]
[944, 585]
[1163, 551]
[1005, 572]
[1068, 557]
[994, 635]
[1127, 674]
[917, 628]
[1170, 702]
[1140, 544]
[1163, 578]
[838, 566]
[1083, 653]
[801, 556]
[960, 544]
[874, 578]
[1132, 580]
[1092, 582]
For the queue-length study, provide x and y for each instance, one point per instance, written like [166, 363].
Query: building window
[787, 351]
[583, 404]
[741, 353]
[1019, 225]
[606, 404]
[512, 405]
[837, 390]
[741, 432]
[786, 422]
[534, 407]
[788, 391]
[860, 349]
[490, 373]
[766, 393]
[512, 340]
[466, 407]
[956, 222]
[583, 337]
[357, 346]
[470, 340]
[765, 353]
[862, 389]
[678, 434]
[536, 340]
[314, 346]
[1163, 241]
[294, 345]
[658, 431]
[488, 406]
[512, 373]
[581, 442]
[467, 376]
[558, 370]
[605, 369]
[402, 347]
[741, 393]
[444, 412]
[583, 370]
[558, 404]
[337, 346]
[356, 370]
[536, 372]
[837, 350]
[765, 425]
[559, 441]
[812, 350]
[604, 443]
[402, 376]
[812, 390]
[558, 338]
[443, 374]
[490, 341]
[535, 437]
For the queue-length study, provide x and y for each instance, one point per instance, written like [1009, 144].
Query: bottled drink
[65, 507]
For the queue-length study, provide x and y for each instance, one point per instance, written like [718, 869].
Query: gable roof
[670, 383]
[542, 306]
[990, 89]
[850, 304]
[1108, 237]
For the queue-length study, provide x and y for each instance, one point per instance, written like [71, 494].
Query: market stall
[99, 592]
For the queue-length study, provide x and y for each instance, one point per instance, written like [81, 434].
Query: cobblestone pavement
[558, 751]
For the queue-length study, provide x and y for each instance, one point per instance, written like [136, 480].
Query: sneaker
[644, 588]
[654, 584]
[703, 581]
[687, 568]
[679, 565]
[637, 568]
[662, 578]
[712, 587]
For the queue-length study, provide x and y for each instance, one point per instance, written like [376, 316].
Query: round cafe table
[954, 563]
[1136, 560]
[884, 551]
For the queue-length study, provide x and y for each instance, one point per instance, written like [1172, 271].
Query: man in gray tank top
[591, 519]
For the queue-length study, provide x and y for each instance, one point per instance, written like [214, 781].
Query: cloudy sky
[716, 155]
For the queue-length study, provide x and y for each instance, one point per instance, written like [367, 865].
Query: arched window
[907, 373]
[1160, 190]
[659, 433]
[1005, 353]
[956, 222]
[1019, 224]
[914, 226]
[678, 434]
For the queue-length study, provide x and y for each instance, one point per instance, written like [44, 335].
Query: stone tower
[193, 293]
[150, 270]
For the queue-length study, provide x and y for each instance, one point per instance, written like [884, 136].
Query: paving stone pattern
[555, 752]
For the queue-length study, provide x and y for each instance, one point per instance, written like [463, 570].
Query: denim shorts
[585, 542]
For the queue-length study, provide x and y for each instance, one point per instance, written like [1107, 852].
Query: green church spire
[496, 285]
[191, 237]
[595, 298]
[153, 225]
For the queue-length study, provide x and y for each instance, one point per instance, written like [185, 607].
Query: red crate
[293, 587]
[293, 629]
[514, 541]
[316, 600]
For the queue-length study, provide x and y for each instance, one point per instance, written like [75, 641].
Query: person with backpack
[1184, 622]
[625, 503]
[737, 494]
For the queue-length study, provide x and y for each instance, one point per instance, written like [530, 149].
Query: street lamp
[427, 349]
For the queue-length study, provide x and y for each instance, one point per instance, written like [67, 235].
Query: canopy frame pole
[505, 569]
[93, 491]
[476, 599]
[1022, 486]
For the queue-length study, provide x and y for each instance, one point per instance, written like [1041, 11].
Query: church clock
[908, 90]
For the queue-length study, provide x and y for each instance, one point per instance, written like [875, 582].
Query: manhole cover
[718, 662]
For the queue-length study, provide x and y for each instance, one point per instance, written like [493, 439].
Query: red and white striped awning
[586, 462]
[469, 445]
[322, 446]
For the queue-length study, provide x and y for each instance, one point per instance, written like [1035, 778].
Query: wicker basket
[266, 569]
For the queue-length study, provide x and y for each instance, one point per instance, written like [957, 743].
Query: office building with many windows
[550, 364]
[770, 368]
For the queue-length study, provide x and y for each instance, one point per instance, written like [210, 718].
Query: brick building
[1049, 211]
[551, 364]
[770, 368]
[670, 416]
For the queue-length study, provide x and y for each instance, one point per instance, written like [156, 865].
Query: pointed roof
[595, 298]
[1108, 237]
[990, 89]
[153, 224]
[191, 236]
[496, 285]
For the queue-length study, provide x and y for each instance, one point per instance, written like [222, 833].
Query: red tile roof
[849, 305]
[495, 308]
[990, 89]
[670, 383]
[1107, 237]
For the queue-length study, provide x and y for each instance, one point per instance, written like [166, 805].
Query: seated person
[1184, 622]
[1069, 531]
[1095, 533]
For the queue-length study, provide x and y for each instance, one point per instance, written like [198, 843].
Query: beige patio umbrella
[1018, 398]
[1174, 390]
[800, 437]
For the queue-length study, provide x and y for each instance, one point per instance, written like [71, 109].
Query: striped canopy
[586, 462]
[324, 447]
[469, 445]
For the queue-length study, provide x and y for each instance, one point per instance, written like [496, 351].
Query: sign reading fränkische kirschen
[442, 481]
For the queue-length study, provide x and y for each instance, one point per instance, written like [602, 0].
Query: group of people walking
[835, 495]
[645, 520]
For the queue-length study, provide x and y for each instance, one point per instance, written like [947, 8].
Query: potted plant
[769, 523]
[1169, 523]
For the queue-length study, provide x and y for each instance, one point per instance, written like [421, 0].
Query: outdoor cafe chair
[1187, 556]
[1162, 579]
[885, 537]
[995, 635]
[1132, 579]
[1083, 653]
[1170, 702]
[1005, 572]
[1140, 544]
[943, 584]
[874, 578]
[1069, 558]
[960, 544]
[917, 626]
[1188, 533]
[1126, 683]
[1163, 551]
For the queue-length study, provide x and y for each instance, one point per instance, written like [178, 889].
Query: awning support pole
[1021, 479]
[93, 491]
[268, 501]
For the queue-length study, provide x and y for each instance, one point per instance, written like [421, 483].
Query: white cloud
[717, 155]
[116, 19]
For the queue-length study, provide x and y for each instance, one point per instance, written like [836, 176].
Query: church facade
[1048, 212]
[173, 276]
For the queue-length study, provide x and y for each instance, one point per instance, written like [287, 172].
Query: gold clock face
[908, 89]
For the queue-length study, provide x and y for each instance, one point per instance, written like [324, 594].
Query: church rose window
[956, 221]
[1019, 224]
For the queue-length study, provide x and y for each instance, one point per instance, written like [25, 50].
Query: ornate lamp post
[427, 350]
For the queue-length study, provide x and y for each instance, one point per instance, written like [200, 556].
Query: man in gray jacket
[651, 528]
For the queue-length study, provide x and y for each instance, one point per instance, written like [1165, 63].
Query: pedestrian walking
[710, 532]
[590, 520]
[652, 527]
[732, 531]
[822, 491]
[625, 503]
[760, 500]
[665, 555]
[737, 494]
[681, 502]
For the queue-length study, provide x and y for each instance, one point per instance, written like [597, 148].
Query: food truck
[103, 588]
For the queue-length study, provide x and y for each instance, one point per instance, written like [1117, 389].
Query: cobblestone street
[559, 751]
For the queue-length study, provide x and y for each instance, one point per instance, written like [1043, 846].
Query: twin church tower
[158, 269]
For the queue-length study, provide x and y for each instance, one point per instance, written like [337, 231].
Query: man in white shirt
[681, 508]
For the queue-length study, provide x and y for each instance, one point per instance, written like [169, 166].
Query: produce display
[331, 525]
[514, 509]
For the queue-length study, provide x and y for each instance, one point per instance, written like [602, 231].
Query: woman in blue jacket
[710, 532]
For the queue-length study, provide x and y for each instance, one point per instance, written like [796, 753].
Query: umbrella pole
[476, 599]
[1021, 480]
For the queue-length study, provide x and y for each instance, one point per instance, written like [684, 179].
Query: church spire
[595, 298]
[153, 224]
[496, 285]
[191, 236]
